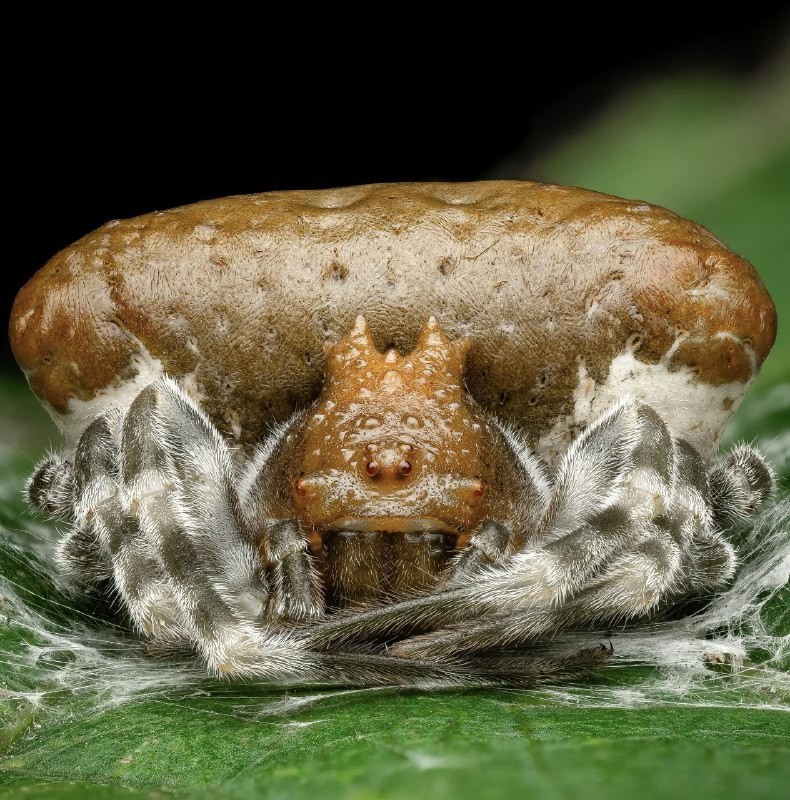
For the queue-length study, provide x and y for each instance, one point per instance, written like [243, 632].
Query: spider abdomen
[569, 298]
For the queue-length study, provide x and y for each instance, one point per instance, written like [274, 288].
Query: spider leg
[138, 577]
[627, 457]
[712, 511]
[521, 669]
[630, 586]
[296, 591]
[79, 557]
[50, 490]
[736, 487]
[487, 547]
[294, 585]
[652, 570]
[529, 669]
[626, 454]
[178, 483]
[709, 564]
[50, 487]
[739, 483]
[177, 478]
[709, 560]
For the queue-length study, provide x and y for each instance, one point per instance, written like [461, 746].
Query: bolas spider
[511, 463]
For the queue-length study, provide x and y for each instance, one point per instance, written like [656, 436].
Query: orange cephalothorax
[394, 442]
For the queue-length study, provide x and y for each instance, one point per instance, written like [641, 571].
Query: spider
[394, 531]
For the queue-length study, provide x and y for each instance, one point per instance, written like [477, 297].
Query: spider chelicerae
[393, 532]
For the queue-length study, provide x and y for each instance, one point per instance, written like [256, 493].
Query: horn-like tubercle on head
[435, 359]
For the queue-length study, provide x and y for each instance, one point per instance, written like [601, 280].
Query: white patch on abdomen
[693, 410]
[81, 413]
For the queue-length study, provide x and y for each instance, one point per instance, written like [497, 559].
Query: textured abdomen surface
[570, 298]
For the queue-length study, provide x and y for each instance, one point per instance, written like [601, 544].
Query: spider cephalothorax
[256, 480]
[393, 468]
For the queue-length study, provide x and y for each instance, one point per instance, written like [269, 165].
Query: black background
[134, 115]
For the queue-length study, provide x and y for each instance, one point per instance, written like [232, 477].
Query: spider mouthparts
[367, 565]
[393, 525]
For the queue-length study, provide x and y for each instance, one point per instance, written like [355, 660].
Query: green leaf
[404, 746]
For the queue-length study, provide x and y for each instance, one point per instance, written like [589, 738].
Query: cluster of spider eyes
[373, 468]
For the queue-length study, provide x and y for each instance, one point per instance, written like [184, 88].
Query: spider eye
[404, 467]
[372, 468]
